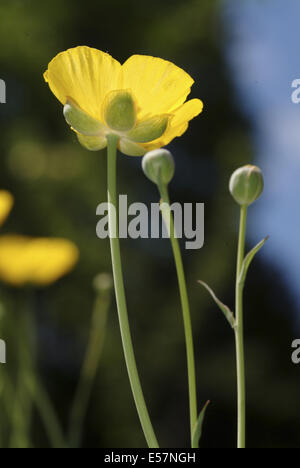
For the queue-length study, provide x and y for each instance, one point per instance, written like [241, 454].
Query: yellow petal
[35, 261]
[13, 264]
[178, 124]
[6, 204]
[53, 259]
[85, 75]
[159, 86]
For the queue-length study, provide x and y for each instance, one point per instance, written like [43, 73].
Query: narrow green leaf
[197, 433]
[224, 308]
[248, 259]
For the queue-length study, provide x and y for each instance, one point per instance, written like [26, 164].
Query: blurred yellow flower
[25, 260]
[143, 101]
[6, 204]
[33, 261]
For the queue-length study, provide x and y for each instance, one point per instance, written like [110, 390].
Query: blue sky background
[264, 56]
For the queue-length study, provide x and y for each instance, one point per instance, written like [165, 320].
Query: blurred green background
[57, 186]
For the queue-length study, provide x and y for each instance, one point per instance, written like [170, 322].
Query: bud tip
[159, 166]
[246, 184]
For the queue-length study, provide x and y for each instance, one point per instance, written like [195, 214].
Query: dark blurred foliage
[57, 186]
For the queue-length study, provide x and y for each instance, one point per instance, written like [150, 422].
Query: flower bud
[158, 165]
[119, 111]
[103, 282]
[246, 184]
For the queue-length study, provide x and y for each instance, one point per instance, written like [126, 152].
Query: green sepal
[224, 308]
[119, 110]
[150, 129]
[130, 148]
[92, 143]
[80, 121]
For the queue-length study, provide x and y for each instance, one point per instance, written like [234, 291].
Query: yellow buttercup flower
[143, 101]
[35, 261]
[6, 204]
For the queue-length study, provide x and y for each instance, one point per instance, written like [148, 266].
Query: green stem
[239, 334]
[23, 402]
[8, 405]
[30, 390]
[46, 411]
[120, 295]
[167, 215]
[89, 367]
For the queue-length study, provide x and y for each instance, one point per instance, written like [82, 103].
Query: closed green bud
[103, 282]
[158, 165]
[246, 184]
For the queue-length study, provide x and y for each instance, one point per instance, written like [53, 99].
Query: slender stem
[46, 411]
[31, 389]
[89, 367]
[23, 401]
[239, 335]
[167, 215]
[120, 295]
[8, 402]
